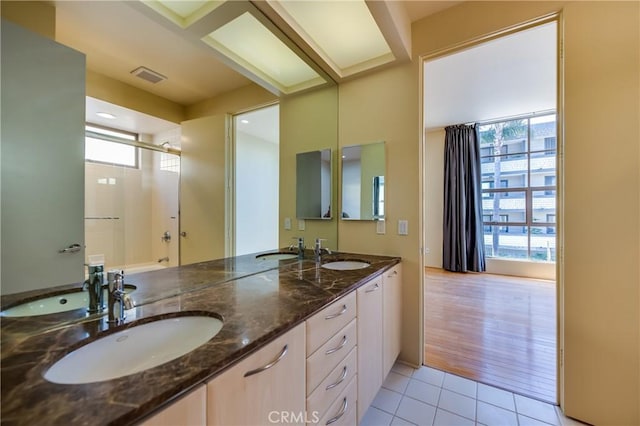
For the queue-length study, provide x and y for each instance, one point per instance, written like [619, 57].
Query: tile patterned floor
[431, 397]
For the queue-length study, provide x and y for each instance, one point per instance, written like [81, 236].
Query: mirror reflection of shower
[131, 197]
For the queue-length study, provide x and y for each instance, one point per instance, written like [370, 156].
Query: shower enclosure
[131, 200]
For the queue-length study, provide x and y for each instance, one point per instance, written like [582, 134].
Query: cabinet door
[42, 132]
[265, 388]
[392, 317]
[188, 411]
[369, 343]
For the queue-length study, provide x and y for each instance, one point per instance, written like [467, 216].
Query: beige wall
[601, 107]
[434, 196]
[37, 16]
[308, 122]
[384, 107]
[232, 102]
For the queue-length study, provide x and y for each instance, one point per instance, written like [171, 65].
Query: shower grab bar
[102, 218]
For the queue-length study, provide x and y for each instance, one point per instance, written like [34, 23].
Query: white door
[42, 131]
[202, 189]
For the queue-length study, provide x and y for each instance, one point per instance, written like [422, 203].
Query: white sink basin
[134, 349]
[345, 265]
[54, 304]
[276, 256]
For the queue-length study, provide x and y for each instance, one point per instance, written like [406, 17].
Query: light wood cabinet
[391, 317]
[329, 321]
[267, 387]
[369, 299]
[190, 410]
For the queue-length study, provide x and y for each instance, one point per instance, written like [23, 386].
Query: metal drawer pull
[340, 414]
[268, 366]
[344, 309]
[371, 290]
[340, 380]
[73, 248]
[337, 348]
[392, 274]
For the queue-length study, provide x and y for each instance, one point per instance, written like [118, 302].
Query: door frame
[556, 17]
[230, 180]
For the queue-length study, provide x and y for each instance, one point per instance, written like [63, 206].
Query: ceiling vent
[148, 75]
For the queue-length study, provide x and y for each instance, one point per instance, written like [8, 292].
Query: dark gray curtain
[463, 248]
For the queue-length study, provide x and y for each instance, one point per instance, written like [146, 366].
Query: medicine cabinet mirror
[313, 185]
[363, 171]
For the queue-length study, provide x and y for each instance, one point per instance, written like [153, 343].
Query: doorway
[510, 81]
[256, 166]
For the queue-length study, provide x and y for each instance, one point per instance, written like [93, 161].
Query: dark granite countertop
[257, 299]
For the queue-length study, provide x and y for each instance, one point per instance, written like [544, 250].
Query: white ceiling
[126, 119]
[262, 123]
[508, 76]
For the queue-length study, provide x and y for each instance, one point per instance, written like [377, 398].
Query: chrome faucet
[118, 299]
[318, 249]
[300, 246]
[94, 286]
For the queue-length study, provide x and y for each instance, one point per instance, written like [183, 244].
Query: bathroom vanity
[299, 343]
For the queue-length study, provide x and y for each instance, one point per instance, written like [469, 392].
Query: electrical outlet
[301, 225]
[380, 227]
[287, 223]
[403, 227]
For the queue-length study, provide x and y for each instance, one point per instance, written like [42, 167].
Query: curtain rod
[512, 117]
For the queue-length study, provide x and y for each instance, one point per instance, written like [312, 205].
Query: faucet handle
[319, 242]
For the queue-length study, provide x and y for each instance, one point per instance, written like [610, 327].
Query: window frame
[111, 135]
[528, 224]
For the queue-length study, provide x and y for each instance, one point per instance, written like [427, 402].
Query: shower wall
[128, 210]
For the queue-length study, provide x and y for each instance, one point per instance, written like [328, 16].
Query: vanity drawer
[343, 410]
[329, 321]
[333, 384]
[329, 355]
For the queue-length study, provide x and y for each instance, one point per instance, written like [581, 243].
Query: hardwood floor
[494, 329]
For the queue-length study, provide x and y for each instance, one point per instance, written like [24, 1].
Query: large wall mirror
[313, 184]
[363, 171]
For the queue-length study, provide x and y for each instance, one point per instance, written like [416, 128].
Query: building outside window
[518, 164]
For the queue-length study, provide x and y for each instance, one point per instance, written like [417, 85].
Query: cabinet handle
[343, 410]
[268, 366]
[337, 348]
[344, 309]
[371, 290]
[392, 274]
[340, 380]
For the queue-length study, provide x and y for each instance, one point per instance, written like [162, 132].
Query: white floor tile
[398, 421]
[491, 415]
[429, 375]
[460, 385]
[528, 421]
[496, 396]
[445, 418]
[387, 400]
[375, 417]
[416, 412]
[458, 404]
[536, 409]
[396, 382]
[566, 421]
[423, 392]
[403, 369]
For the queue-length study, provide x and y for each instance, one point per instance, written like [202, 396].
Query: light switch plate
[403, 227]
[301, 224]
[380, 227]
[287, 223]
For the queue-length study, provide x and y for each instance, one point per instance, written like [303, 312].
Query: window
[519, 187]
[110, 146]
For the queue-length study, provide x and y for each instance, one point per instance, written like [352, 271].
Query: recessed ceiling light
[106, 115]
[244, 121]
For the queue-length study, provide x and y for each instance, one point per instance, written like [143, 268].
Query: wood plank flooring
[494, 329]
